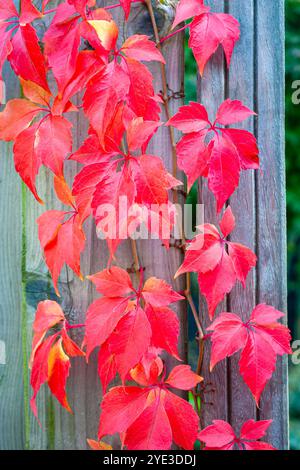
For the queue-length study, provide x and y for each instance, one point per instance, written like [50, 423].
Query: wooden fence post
[256, 77]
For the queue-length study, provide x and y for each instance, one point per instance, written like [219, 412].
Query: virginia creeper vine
[133, 325]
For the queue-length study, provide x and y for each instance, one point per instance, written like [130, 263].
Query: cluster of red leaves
[82, 53]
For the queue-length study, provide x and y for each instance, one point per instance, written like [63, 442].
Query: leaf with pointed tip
[190, 118]
[217, 270]
[130, 340]
[139, 132]
[151, 430]
[107, 369]
[158, 293]
[246, 146]
[112, 282]
[210, 30]
[224, 170]
[26, 57]
[232, 111]
[165, 328]
[183, 378]
[98, 445]
[102, 317]
[139, 47]
[16, 116]
[221, 436]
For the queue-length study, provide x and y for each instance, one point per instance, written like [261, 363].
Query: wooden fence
[256, 77]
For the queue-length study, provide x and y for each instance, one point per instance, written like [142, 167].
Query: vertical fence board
[271, 196]
[12, 416]
[211, 92]
[241, 85]
[256, 77]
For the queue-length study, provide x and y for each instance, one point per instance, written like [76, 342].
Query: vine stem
[174, 162]
[174, 33]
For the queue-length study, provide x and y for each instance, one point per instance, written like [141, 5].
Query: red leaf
[58, 371]
[107, 369]
[190, 118]
[158, 293]
[26, 57]
[28, 12]
[139, 132]
[224, 170]
[193, 157]
[152, 414]
[187, 9]
[7, 9]
[121, 406]
[62, 242]
[139, 47]
[16, 117]
[54, 142]
[183, 420]
[246, 146]
[183, 378]
[130, 340]
[39, 372]
[165, 328]
[259, 341]
[112, 282]
[62, 40]
[152, 181]
[151, 430]
[227, 223]
[27, 161]
[102, 317]
[126, 5]
[219, 158]
[210, 30]
[217, 270]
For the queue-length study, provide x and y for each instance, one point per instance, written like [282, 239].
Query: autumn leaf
[260, 340]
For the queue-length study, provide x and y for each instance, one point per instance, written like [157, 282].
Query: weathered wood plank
[271, 212]
[62, 430]
[13, 417]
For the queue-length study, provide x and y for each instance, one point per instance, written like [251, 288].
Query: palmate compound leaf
[123, 328]
[50, 361]
[151, 417]
[260, 340]
[46, 141]
[218, 269]
[208, 31]
[124, 190]
[221, 436]
[219, 158]
[61, 234]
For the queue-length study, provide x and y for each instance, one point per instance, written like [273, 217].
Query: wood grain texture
[271, 206]
[256, 76]
[12, 414]
[23, 271]
[212, 92]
